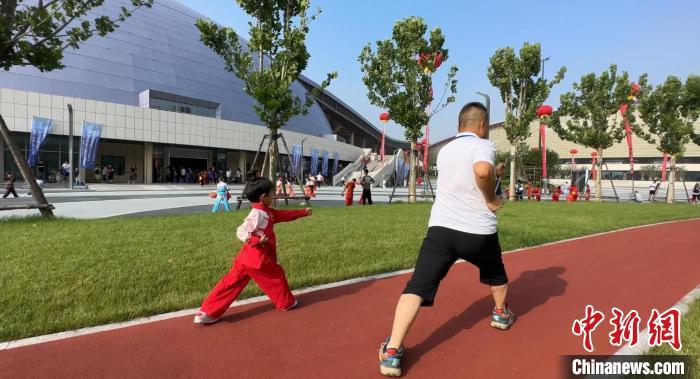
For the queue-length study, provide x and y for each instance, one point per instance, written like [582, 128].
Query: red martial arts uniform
[349, 192]
[555, 195]
[255, 262]
[538, 193]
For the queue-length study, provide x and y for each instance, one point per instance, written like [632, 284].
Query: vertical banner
[336, 158]
[313, 170]
[628, 137]
[543, 150]
[88, 144]
[324, 164]
[425, 146]
[664, 166]
[40, 129]
[381, 149]
[296, 160]
[401, 169]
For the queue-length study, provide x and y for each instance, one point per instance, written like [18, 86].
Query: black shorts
[442, 247]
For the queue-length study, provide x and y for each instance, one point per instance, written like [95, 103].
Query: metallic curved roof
[157, 49]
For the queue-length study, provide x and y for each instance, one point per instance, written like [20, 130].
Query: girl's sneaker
[502, 318]
[203, 318]
[390, 359]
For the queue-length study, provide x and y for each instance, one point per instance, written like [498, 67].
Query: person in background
[319, 180]
[653, 187]
[537, 193]
[41, 170]
[133, 175]
[9, 186]
[65, 171]
[588, 193]
[348, 192]
[221, 196]
[228, 176]
[556, 193]
[366, 183]
[696, 193]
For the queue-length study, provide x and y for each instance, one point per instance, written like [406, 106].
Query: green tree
[36, 35]
[398, 77]
[273, 59]
[521, 90]
[669, 112]
[589, 115]
[529, 158]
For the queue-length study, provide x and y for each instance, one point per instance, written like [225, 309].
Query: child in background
[556, 193]
[221, 196]
[349, 191]
[257, 259]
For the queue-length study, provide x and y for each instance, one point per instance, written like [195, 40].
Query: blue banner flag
[336, 157]
[324, 164]
[402, 168]
[40, 129]
[314, 162]
[296, 159]
[88, 144]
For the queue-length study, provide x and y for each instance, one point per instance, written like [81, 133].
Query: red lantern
[635, 89]
[573, 151]
[544, 110]
[437, 61]
[594, 153]
[384, 117]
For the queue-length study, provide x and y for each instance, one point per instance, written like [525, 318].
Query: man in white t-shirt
[462, 225]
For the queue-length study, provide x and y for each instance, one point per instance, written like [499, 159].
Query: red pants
[269, 277]
[348, 200]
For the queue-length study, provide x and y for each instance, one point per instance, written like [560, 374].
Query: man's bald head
[473, 118]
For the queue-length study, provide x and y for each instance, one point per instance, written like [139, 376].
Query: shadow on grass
[530, 290]
[305, 300]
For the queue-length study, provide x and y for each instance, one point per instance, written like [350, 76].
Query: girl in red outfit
[588, 192]
[349, 192]
[257, 259]
[556, 193]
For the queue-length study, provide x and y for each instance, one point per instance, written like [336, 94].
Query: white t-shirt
[459, 203]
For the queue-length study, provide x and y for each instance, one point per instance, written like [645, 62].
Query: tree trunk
[511, 185]
[412, 174]
[272, 153]
[671, 193]
[27, 174]
[599, 177]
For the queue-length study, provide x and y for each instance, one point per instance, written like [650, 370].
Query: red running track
[336, 332]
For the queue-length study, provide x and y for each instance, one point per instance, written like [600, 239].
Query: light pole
[301, 171]
[487, 99]
[542, 72]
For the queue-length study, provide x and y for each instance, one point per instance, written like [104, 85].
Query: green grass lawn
[66, 274]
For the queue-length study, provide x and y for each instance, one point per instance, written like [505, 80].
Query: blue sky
[660, 38]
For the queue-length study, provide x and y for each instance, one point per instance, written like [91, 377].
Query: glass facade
[173, 106]
[53, 153]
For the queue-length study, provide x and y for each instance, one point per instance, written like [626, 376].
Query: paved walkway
[151, 200]
[336, 332]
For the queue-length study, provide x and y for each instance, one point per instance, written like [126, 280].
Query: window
[116, 162]
[173, 106]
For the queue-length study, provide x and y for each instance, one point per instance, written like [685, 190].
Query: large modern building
[164, 99]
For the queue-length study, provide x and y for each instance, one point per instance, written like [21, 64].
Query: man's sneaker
[502, 318]
[390, 359]
[203, 318]
[289, 308]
